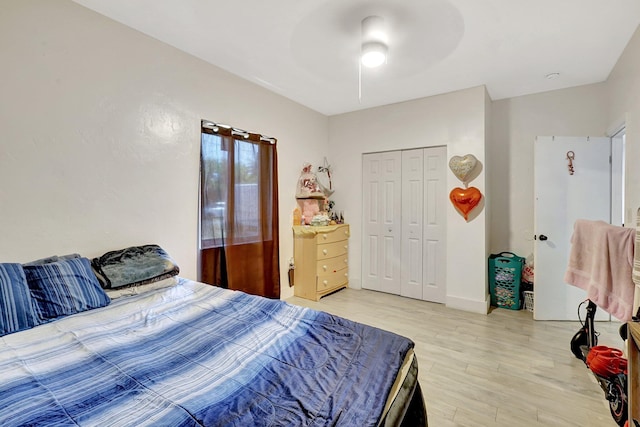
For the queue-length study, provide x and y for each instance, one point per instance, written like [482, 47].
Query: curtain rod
[235, 131]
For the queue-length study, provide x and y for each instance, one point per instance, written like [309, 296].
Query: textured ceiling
[308, 50]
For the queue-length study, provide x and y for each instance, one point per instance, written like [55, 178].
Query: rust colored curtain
[239, 211]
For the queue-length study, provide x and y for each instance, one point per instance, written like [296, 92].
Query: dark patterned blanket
[136, 265]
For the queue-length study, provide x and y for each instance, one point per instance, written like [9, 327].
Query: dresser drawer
[331, 265]
[332, 280]
[336, 235]
[331, 250]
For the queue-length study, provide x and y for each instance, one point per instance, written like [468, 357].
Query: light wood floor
[500, 369]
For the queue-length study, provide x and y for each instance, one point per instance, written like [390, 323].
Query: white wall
[101, 132]
[488, 166]
[456, 120]
[623, 87]
[578, 111]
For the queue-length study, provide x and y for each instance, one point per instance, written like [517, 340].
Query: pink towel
[601, 262]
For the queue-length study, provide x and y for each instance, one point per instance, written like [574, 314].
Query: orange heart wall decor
[465, 199]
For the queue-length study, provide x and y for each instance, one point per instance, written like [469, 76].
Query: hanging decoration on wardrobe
[465, 199]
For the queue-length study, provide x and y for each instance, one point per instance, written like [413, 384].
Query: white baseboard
[473, 306]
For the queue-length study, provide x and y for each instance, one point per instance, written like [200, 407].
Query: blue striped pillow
[64, 288]
[16, 306]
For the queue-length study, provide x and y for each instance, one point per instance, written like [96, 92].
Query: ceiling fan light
[374, 29]
[373, 54]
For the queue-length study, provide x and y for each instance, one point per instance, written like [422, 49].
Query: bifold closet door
[381, 231]
[412, 213]
[434, 244]
[404, 228]
[423, 254]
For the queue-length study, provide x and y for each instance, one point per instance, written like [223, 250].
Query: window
[238, 203]
[232, 191]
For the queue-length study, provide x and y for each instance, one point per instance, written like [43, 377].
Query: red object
[602, 351]
[465, 199]
[605, 361]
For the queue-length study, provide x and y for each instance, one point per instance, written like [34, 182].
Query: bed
[183, 353]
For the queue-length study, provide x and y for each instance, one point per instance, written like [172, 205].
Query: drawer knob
[346, 261]
[324, 267]
[324, 236]
[324, 251]
[346, 275]
[325, 282]
[346, 246]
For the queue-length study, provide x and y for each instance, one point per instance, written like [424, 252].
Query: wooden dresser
[320, 257]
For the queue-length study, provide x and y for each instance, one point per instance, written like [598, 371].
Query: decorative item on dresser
[321, 260]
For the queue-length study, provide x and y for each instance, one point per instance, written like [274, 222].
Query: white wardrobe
[404, 229]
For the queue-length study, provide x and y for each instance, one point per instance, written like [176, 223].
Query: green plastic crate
[505, 273]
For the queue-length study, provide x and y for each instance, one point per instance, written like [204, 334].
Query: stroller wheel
[580, 344]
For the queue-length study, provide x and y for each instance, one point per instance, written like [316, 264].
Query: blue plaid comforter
[194, 355]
